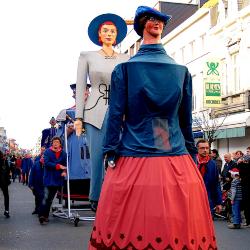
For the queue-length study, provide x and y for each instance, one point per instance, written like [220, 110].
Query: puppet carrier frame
[67, 212]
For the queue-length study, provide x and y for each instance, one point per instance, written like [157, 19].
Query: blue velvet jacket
[78, 156]
[151, 103]
[52, 176]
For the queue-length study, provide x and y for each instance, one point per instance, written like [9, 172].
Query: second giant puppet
[77, 151]
[105, 30]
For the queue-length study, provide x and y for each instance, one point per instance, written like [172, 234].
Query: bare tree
[209, 124]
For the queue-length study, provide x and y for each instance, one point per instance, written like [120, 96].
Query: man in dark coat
[5, 182]
[244, 168]
[36, 180]
[226, 176]
[210, 174]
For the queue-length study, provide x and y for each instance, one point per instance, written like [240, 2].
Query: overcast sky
[39, 48]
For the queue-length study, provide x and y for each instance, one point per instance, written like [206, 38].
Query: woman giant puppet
[153, 196]
[106, 31]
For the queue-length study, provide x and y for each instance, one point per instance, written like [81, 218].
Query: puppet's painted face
[108, 34]
[153, 26]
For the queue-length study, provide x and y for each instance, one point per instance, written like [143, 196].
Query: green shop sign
[212, 83]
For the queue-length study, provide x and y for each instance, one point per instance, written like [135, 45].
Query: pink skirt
[153, 203]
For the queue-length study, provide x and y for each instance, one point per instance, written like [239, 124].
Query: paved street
[23, 231]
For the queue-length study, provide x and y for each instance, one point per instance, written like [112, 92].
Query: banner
[212, 83]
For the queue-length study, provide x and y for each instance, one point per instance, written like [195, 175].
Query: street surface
[23, 232]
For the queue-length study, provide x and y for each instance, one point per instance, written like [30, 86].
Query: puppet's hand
[78, 127]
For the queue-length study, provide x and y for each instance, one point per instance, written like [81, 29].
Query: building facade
[3, 140]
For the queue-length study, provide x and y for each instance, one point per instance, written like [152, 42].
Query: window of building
[235, 72]
[192, 49]
[224, 80]
[183, 56]
[243, 3]
[203, 42]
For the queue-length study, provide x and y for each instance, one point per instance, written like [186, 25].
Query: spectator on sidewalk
[244, 170]
[55, 160]
[226, 177]
[235, 195]
[210, 174]
[216, 157]
[238, 155]
[5, 182]
[36, 180]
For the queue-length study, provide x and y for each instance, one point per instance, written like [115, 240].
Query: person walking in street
[36, 180]
[18, 168]
[235, 195]
[27, 164]
[13, 167]
[210, 174]
[105, 30]
[55, 160]
[153, 196]
[5, 182]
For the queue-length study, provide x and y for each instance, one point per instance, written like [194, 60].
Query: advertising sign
[212, 83]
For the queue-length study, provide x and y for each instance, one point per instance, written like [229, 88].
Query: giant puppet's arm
[185, 116]
[81, 82]
[117, 105]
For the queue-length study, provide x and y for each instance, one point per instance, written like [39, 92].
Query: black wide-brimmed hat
[108, 17]
[147, 11]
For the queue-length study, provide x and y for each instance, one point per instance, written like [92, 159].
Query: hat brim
[144, 11]
[97, 21]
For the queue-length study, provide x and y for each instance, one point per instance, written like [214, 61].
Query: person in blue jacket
[153, 196]
[36, 180]
[27, 164]
[55, 161]
[210, 174]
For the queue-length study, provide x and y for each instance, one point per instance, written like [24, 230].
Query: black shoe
[35, 212]
[41, 220]
[93, 205]
[234, 226]
[7, 214]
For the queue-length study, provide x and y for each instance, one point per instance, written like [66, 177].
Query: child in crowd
[235, 196]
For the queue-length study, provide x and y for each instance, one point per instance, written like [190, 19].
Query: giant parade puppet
[77, 151]
[105, 30]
